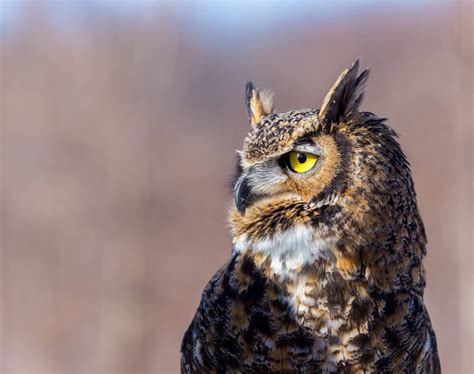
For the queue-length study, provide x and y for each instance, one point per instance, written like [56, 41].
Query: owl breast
[290, 258]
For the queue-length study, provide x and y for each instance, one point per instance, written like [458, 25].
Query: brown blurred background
[119, 123]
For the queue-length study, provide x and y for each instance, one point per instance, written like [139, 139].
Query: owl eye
[301, 162]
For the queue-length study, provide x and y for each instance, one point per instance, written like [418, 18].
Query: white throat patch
[289, 250]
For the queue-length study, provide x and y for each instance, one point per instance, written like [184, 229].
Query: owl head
[335, 169]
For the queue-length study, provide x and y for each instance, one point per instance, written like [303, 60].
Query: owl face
[298, 155]
[320, 168]
[288, 158]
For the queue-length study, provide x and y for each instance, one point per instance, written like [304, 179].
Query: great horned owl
[326, 270]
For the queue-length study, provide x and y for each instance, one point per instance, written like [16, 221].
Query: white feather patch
[289, 250]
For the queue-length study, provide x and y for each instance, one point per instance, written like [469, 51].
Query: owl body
[326, 270]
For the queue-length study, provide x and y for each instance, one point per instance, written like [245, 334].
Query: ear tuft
[345, 96]
[259, 103]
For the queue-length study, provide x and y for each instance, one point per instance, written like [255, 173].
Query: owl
[326, 272]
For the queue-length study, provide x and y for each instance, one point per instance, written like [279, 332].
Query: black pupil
[301, 158]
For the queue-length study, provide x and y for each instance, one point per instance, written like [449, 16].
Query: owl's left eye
[301, 162]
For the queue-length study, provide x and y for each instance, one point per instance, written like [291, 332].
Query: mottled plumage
[326, 270]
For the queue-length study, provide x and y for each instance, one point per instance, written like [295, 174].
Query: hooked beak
[242, 194]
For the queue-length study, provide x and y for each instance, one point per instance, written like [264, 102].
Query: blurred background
[119, 125]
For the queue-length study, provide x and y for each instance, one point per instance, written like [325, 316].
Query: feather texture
[326, 272]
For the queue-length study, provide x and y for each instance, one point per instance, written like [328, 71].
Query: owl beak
[242, 194]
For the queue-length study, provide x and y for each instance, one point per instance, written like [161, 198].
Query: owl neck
[288, 235]
[288, 252]
[353, 242]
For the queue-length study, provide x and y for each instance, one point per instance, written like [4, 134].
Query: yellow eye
[301, 162]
